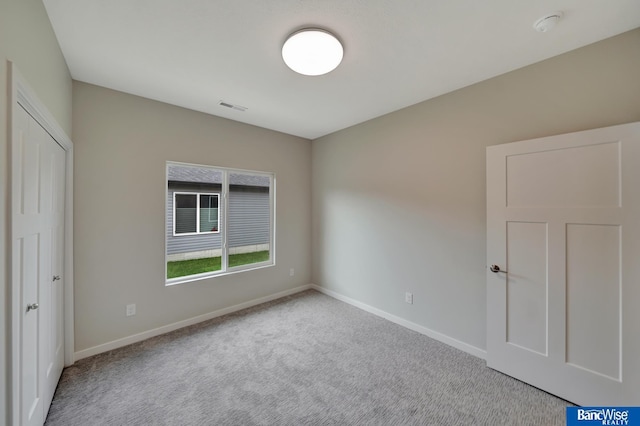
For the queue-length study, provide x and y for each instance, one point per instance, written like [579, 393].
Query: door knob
[496, 269]
[32, 307]
[56, 277]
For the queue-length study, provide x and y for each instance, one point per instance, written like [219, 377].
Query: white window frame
[223, 227]
[197, 194]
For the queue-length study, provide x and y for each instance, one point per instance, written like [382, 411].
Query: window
[195, 213]
[218, 221]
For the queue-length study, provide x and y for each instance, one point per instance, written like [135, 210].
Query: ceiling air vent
[232, 106]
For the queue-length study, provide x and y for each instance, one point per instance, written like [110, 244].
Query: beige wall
[399, 201]
[26, 38]
[121, 145]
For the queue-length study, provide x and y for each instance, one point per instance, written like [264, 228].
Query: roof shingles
[209, 175]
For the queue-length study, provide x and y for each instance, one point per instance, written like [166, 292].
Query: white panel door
[54, 320]
[563, 243]
[38, 164]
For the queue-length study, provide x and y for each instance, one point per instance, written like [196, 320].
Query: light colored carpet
[306, 359]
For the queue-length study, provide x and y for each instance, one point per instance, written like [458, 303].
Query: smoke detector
[547, 22]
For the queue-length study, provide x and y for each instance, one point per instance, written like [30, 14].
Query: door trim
[21, 95]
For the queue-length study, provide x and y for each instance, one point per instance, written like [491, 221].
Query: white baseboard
[470, 349]
[184, 323]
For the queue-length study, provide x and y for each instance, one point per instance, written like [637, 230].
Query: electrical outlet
[408, 297]
[131, 309]
[291, 272]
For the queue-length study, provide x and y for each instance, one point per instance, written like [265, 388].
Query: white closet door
[37, 219]
[54, 321]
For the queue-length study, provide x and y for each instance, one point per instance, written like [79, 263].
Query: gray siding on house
[248, 217]
[248, 223]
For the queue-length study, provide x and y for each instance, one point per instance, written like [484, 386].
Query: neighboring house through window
[219, 221]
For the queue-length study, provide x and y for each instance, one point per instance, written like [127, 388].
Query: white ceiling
[195, 53]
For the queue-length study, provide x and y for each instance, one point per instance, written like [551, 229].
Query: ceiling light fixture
[312, 51]
[547, 22]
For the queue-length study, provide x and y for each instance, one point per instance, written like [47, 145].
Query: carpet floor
[306, 359]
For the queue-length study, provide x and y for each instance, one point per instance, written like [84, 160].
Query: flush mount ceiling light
[547, 22]
[312, 51]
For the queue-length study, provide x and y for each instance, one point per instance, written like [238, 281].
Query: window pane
[194, 249]
[202, 204]
[209, 213]
[249, 219]
[185, 213]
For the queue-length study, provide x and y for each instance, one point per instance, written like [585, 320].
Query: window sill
[207, 275]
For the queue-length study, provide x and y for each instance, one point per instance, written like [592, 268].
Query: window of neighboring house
[195, 213]
[219, 221]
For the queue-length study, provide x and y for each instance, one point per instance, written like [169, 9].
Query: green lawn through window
[182, 268]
